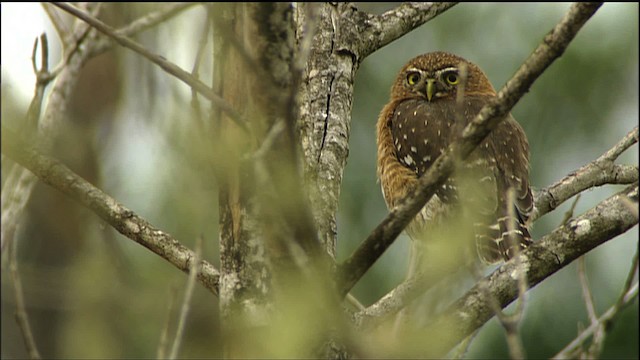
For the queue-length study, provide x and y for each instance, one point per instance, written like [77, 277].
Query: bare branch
[186, 302]
[607, 220]
[143, 23]
[164, 64]
[56, 174]
[58, 23]
[155, 18]
[554, 251]
[21, 310]
[629, 294]
[382, 29]
[599, 325]
[17, 187]
[202, 44]
[596, 173]
[164, 336]
[489, 117]
[598, 338]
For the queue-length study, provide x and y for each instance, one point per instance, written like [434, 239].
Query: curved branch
[56, 174]
[489, 117]
[596, 173]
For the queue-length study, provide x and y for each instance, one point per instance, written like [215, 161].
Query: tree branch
[56, 174]
[154, 18]
[164, 64]
[601, 171]
[489, 117]
[554, 251]
[629, 293]
[17, 187]
[383, 29]
[22, 317]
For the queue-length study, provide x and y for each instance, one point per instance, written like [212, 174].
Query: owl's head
[438, 75]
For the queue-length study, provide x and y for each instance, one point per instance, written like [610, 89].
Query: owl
[433, 98]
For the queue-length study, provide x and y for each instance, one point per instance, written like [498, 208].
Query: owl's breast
[422, 130]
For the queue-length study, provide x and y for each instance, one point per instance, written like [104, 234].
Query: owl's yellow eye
[452, 78]
[413, 78]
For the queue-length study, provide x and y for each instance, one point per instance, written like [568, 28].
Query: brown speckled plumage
[422, 118]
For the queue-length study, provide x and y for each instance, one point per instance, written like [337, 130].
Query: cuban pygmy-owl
[434, 97]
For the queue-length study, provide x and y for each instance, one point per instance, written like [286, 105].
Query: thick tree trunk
[267, 230]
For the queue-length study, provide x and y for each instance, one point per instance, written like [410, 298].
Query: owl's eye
[452, 78]
[413, 78]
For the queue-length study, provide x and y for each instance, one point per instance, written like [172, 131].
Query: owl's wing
[422, 130]
[508, 145]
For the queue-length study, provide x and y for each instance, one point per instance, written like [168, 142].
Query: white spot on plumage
[408, 160]
[414, 150]
[426, 158]
[404, 136]
[413, 130]
[425, 141]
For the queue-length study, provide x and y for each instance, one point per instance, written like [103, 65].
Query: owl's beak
[431, 88]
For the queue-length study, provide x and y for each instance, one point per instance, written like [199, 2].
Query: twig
[511, 322]
[399, 297]
[43, 79]
[125, 221]
[21, 311]
[155, 18]
[164, 336]
[58, 23]
[382, 29]
[543, 258]
[186, 302]
[17, 180]
[596, 173]
[202, 44]
[569, 214]
[142, 24]
[164, 64]
[629, 282]
[569, 351]
[599, 335]
[354, 302]
[461, 350]
[489, 117]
